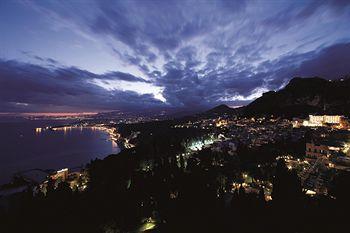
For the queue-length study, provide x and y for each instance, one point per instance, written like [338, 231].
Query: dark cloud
[26, 87]
[32, 87]
[122, 76]
[162, 24]
[43, 60]
[332, 63]
[183, 86]
[291, 16]
[200, 53]
[295, 15]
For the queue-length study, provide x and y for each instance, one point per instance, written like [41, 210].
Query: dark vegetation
[195, 198]
[159, 138]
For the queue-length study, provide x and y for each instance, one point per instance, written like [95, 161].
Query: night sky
[74, 56]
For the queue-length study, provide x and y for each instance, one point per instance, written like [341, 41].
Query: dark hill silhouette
[221, 110]
[304, 96]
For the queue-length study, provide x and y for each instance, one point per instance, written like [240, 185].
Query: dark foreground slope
[172, 199]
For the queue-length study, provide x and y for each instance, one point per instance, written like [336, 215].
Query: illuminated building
[296, 123]
[321, 120]
[221, 122]
[325, 119]
[318, 150]
[315, 151]
[61, 175]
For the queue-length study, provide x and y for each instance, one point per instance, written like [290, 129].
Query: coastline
[110, 132]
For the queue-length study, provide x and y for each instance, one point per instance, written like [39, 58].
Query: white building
[325, 119]
[315, 121]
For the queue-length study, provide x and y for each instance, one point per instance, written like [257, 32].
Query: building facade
[322, 120]
[316, 151]
[61, 175]
[325, 119]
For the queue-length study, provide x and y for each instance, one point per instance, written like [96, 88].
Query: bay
[23, 148]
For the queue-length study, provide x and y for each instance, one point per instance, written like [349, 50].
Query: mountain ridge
[303, 96]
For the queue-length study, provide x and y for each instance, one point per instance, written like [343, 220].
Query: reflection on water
[27, 145]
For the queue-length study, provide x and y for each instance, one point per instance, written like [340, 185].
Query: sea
[23, 147]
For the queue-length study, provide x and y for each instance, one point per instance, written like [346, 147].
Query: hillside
[221, 110]
[304, 96]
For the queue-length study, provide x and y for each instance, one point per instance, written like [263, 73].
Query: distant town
[316, 148]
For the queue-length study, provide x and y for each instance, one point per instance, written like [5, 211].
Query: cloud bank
[132, 55]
